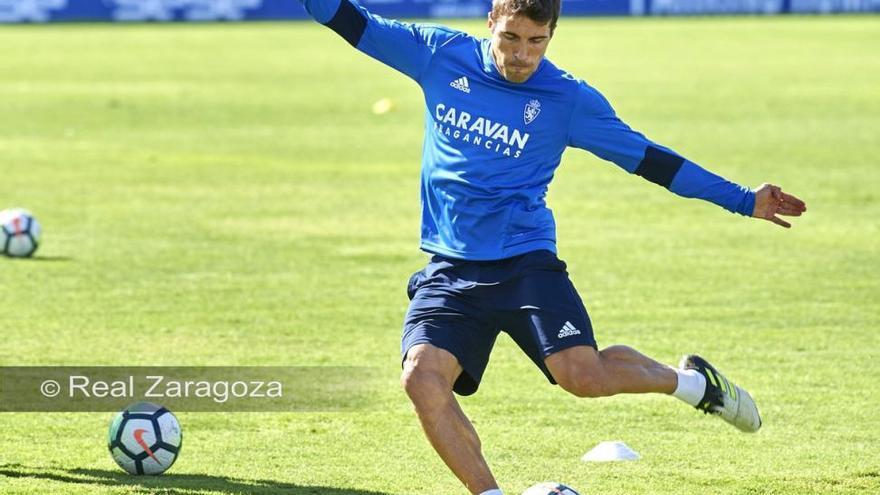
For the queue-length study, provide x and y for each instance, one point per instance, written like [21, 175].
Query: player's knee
[584, 382]
[423, 385]
[580, 371]
[617, 353]
[586, 387]
[428, 374]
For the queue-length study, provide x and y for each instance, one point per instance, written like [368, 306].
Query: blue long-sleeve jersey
[491, 146]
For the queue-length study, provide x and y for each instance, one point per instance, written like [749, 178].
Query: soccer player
[498, 117]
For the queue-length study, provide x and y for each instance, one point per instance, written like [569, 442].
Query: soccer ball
[145, 438]
[19, 233]
[550, 488]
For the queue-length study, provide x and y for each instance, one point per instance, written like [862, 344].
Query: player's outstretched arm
[405, 47]
[770, 201]
[596, 128]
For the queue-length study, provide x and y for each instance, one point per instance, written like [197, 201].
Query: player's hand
[770, 201]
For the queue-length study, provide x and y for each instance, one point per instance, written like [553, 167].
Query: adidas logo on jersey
[568, 330]
[461, 84]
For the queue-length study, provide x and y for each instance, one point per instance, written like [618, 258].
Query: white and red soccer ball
[19, 233]
[145, 438]
[550, 488]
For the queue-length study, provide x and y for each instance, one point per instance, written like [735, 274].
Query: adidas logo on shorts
[568, 330]
[461, 84]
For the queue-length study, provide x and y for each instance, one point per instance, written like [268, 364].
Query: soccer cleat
[724, 398]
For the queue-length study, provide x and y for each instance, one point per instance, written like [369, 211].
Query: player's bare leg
[586, 372]
[428, 376]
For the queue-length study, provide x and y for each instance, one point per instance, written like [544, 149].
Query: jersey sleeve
[406, 47]
[596, 128]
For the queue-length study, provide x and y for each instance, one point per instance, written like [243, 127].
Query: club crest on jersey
[530, 113]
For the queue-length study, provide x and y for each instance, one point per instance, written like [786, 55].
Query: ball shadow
[51, 258]
[173, 484]
[37, 257]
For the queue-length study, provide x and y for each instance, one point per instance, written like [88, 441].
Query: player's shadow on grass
[172, 484]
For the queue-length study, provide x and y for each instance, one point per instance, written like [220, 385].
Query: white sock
[691, 386]
[494, 491]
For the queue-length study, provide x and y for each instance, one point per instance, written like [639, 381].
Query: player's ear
[490, 22]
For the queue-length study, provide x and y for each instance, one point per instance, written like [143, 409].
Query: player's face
[518, 45]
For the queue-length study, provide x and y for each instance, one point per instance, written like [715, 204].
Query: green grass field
[222, 195]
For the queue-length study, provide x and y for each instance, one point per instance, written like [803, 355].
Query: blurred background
[234, 10]
[247, 193]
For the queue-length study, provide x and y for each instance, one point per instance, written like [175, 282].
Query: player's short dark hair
[540, 11]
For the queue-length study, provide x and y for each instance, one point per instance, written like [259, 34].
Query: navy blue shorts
[461, 306]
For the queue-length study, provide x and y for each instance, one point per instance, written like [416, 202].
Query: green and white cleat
[723, 397]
